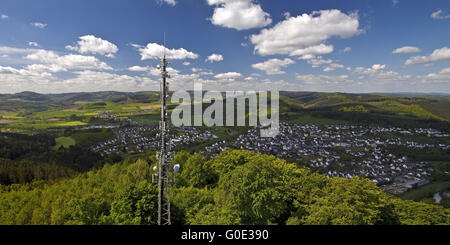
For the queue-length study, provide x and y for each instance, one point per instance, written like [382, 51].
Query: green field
[64, 142]
[65, 111]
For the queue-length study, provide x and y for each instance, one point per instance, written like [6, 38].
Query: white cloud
[186, 63]
[333, 67]
[15, 51]
[156, 51]
[377, 75]
[214, 58]
[406, 50]
[91, 81]
[318, 61]
[306, 34]
[228, 75]
[94, 45]
[39, 25]
[139, 68]
[273, 66]
[4, 16]
[441, 76]
[347, 49]
[361, 79]
[50, 61]
[378, 67]
[438, 15]
[18, 80]
[312, 51]
[33, 44]
[170, 2]
[395, 2]
[437, 55]
[239, 14]
[375, 70]
[314, 79]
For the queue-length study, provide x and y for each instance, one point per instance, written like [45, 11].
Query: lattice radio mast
[164, 155]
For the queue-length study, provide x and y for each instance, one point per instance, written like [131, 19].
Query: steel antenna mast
[164, 155]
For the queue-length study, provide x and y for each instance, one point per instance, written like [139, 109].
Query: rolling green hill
[29, 112]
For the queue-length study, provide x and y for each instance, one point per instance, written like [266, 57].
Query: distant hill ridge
[427, 106]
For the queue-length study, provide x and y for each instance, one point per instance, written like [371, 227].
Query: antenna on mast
[164, 45]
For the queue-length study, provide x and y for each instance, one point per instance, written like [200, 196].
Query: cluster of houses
[139, 139]
[334, 150]
[344, 151]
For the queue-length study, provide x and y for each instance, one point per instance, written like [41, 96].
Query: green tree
[136, 205]
[197, 173]
[259, 191]
[189, 201]
[347, 202]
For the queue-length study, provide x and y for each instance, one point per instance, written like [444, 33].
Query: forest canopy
[235, 187]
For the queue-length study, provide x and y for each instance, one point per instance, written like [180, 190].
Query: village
[344, 151]
[333, 150]
[140, 139]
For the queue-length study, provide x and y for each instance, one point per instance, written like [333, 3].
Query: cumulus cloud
[94, 45]
[39, 25]
[406, 50]
[441, 76]
[273, 66]
[333, 67]
[304, 35]
[4, 16]
[437, 55]
[156, 51]
[378, 74]
[315, 79]
[347, 49]
[239, 14]
[139, 68]
[361, 79]
[214, 58]
[170, 2]
[378, 67]
[186, 63]
[50, 61]
[438, 15]
[15, 51]
[310, 52]
[319, 61]
[228, 75]
[18, 80]
[377, 70]
[92, 81]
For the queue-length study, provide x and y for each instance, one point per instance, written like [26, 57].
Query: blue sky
[55, 46]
